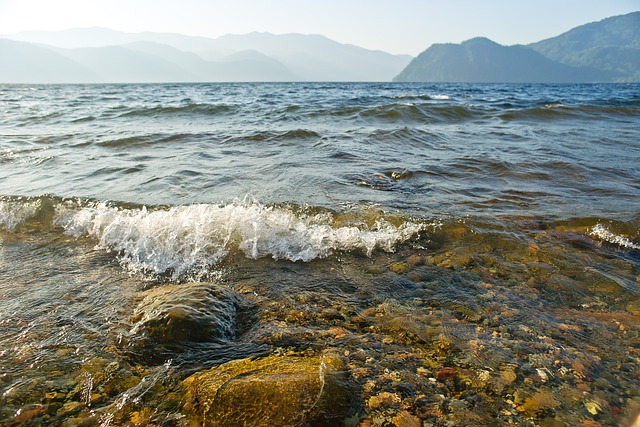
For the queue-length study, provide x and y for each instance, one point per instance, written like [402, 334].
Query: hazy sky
[396, 26]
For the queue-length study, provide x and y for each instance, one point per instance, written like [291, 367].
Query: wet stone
[415, 260]
[405, 419]
[69, 408]
[275, 390]
[170, 318]
[634, 307]
[400, 267]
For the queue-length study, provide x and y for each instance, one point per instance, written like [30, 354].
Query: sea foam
[603, 233]
[185, 238]
[15, 212]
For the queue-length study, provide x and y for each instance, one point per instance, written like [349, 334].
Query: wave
[601, 232]
[141, 141]
[188, 109]
[14, 212]
[415, 112]
[424, 97]
[289, 135]
[187, 239]
[562, 111]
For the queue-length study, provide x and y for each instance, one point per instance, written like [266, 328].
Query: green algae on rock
[275, 390]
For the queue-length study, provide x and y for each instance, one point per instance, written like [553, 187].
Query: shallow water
[471, 252]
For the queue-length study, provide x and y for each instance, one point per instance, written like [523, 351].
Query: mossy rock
[400, 267]
[271, 391]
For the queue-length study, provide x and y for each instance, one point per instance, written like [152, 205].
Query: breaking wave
[601, 232]
[15, 212]
[178, 240]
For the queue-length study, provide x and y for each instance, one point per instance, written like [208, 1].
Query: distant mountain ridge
[612, 45]
[604, 51]
[103, 55]
[482, 60]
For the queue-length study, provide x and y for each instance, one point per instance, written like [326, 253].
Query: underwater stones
[70, 408]
[634, 307]
[508, 374]
[542, 400]
[26, 415]
[400, 267]
[384, 400]
[534, 249]
[405, 419]
[171, 318]
[275, 390]
[415, 260]
[445, 374]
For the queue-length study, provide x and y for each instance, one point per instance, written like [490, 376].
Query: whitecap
[181, 239]
[15, 212]
[603, 233]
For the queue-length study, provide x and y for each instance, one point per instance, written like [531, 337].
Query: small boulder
[271, 391]
[174, 318]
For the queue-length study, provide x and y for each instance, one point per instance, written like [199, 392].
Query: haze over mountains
[100, 55]
[604, 51]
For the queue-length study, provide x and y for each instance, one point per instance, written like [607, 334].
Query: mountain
[246, 65]
[257, 56]
[25, 62]
[604, 51]
[482, 60]
[317, 58]
[116, 64]
[139, 62]
[612, 44]
[103, 37]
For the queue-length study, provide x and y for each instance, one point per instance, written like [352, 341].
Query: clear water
[493, 230]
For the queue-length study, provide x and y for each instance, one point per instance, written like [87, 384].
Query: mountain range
[604, 51]
[89, 55]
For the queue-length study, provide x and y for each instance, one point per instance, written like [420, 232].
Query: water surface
[472, 252]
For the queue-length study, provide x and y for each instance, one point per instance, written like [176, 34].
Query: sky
[395, 26]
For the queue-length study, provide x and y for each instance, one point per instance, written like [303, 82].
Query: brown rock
[508, 375]
[534, 250]
[384, 399]
[415, 260]
[458, 232]
[405, 419]
[400, 267]
[272, 391]
[541, 401]
[445, 374]
[634, 307]
[24, 416]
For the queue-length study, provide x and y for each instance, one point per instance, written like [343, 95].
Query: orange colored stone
[445, 374]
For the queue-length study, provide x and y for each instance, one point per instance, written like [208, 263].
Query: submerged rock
[272, 391]
[171, 320]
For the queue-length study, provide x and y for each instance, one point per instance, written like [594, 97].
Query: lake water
[471, 252]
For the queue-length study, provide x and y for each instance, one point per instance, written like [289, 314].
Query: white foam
[184, 238]
[603, 233]
[13, 213]
[441, 97]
